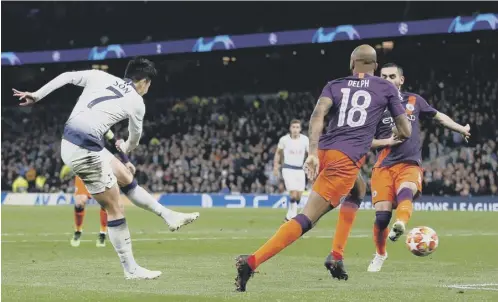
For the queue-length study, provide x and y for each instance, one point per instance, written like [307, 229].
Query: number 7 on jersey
[116, 95]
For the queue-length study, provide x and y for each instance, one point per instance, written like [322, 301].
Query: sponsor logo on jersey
[387, 120]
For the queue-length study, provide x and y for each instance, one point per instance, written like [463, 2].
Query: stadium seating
[226, 144]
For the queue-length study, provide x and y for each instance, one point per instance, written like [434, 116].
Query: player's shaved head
[363, 59]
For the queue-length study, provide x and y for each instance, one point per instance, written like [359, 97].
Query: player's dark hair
[295, 121]
[139, 69]
[400, 69]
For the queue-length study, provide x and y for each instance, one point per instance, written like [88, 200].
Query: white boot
[142, 274]
[377, 262]
[175, 222]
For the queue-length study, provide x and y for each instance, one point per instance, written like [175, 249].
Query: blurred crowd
[227, 143]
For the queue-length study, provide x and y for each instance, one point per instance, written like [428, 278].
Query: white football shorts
[93, 167]
[294, 179]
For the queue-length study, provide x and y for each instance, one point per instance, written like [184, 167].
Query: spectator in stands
[225, 144]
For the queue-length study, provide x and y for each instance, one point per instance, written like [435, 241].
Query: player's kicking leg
[334, 182]
[96, 172]
[289, 232]
[143, 199]
[385, 193]
[79, 216]
[406, 193]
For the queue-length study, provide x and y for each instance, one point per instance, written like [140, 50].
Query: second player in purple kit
[397, 175]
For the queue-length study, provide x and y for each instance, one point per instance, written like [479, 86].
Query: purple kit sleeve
[426, 110]
[327, 91]
[394, 100]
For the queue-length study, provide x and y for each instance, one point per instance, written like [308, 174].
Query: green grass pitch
[38, 264]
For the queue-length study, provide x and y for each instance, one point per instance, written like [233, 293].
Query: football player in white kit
[294, 147]
[105, 101]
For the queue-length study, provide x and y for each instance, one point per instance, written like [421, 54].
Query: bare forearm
[316, 123]
[447, 122]
[315, 130]
[380, 143]
[404, 126]
[276, 159]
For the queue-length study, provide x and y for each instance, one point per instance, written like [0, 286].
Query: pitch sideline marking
[457, 234]
[175, 239]
[203, 238]
[479, 286]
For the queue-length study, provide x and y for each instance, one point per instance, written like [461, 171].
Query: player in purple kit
[397, 175]
[356, 104]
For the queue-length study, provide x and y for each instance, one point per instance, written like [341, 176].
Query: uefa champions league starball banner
[233, 201]
[459, 24]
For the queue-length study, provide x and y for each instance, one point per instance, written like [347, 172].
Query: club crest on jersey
[410, 107]
[374, 193]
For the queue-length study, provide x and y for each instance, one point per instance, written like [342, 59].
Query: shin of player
[335, 157]
[293, 147]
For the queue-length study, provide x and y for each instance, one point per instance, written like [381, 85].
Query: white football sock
[121, 240]
[292, 210]
[143, 199]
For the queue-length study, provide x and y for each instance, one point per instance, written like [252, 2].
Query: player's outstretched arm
[449, 123]
[79, 78]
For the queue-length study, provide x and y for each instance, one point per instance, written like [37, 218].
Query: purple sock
[304, 221]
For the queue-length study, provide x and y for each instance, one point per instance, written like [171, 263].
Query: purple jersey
[358, 103]
[410, 151]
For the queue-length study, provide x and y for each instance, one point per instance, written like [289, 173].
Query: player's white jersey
[105, 101]
[294, 150]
